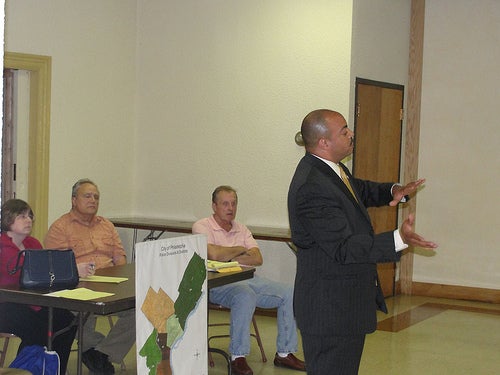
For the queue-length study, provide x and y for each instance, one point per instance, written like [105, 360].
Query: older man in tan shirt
[96, 244]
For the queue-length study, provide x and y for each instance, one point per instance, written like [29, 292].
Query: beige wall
[160, 101]
[92, 44]
[380, 43]
[459, 143]
[222, 90]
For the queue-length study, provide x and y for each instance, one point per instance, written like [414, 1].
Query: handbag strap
[52, 275]
[17, 267]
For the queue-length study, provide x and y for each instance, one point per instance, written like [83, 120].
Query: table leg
[80, 342]
[134, 241]
[82, 317]
[50, 325]
[152, 236]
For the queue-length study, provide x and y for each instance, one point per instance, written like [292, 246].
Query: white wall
[223, 88]
[459, 143]
[92, 44]
[380, 43]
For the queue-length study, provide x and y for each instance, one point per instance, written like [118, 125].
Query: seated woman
[28, 322]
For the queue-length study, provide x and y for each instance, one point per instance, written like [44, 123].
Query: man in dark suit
[336, 287]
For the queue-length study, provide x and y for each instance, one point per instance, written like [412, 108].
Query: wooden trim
[466, 293]
[397, 288]
[7, 136]
[386, 85]
[412, 135]
[40, 68]
[456, 292]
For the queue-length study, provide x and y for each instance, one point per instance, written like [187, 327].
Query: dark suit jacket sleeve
[339, 228]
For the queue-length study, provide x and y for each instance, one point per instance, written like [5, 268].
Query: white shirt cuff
[398, 241]
[403, 200]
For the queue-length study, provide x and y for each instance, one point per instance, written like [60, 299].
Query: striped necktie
[346, 182]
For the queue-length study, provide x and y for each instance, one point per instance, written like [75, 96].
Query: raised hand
[398, 192]
[411, 238]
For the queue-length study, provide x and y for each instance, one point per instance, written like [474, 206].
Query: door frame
[40, 68]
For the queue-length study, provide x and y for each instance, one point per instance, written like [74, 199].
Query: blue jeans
[242, 298]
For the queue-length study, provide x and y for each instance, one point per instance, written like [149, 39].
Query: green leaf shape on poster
[174, 330]
[190, 288]
[152, 352]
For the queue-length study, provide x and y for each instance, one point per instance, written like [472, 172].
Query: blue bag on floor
[37, 360]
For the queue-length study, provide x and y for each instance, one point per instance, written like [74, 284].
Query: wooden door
[377, 153]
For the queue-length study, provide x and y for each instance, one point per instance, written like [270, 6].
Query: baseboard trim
[433, 290]
[456, 292]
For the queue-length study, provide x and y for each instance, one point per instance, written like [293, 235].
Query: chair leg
[256, 334]
[210, 359]
[259, 340]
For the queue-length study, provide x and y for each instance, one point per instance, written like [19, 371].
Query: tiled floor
[420, 335]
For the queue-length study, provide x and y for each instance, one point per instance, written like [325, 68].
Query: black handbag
[47, 269]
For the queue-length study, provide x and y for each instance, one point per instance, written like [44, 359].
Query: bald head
[314, 127]
[325, 134]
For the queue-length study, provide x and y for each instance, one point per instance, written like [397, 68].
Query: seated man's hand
[86, 269]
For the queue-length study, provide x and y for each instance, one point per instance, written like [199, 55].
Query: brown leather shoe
[290, 361]
[240, 367]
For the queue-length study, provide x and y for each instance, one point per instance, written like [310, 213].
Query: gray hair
[79, 183]
[225, 188]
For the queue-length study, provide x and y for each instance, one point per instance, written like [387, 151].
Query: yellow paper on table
[104, 279]
[229, 269]
[213, 265]
[82, 294]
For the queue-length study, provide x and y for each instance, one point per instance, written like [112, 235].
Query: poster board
[171, 306]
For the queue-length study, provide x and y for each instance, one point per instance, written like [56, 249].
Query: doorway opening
[38, 134]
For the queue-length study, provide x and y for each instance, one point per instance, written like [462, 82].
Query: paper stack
[216, 266]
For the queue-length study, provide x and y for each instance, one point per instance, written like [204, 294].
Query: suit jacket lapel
[359, 201]
[330, 173]
[349, 176]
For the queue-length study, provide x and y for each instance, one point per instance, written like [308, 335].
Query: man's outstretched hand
[398, 192]
[411, 238]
